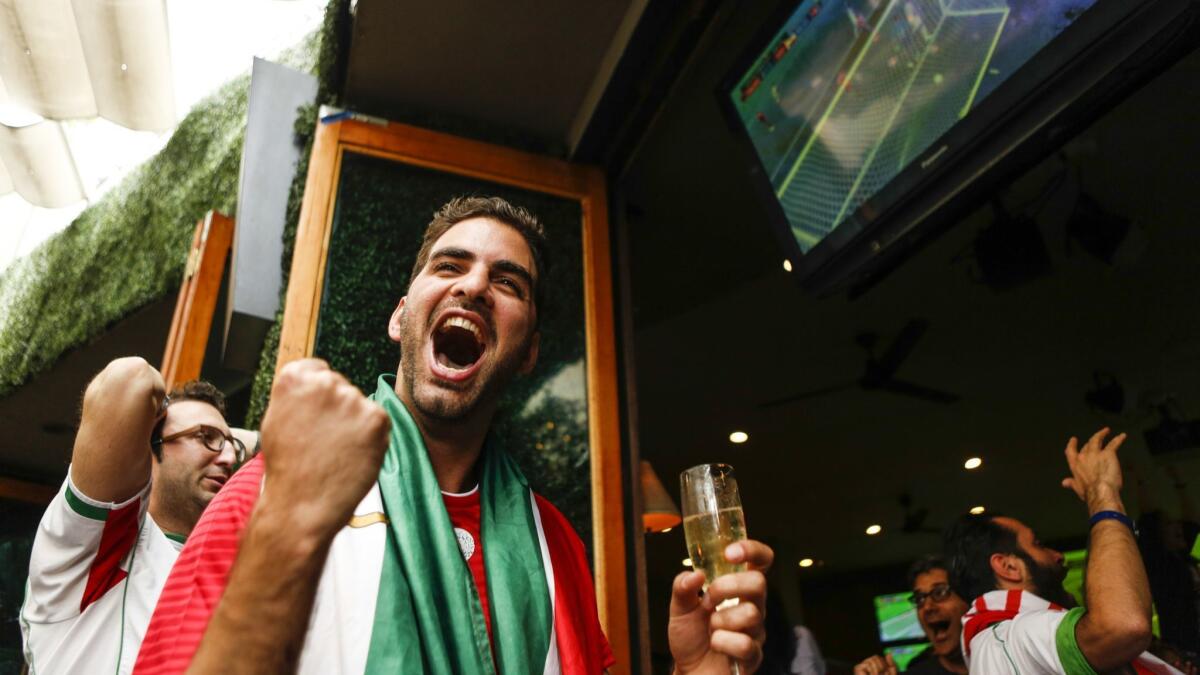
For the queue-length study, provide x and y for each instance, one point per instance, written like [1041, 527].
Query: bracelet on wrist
[1113, 515]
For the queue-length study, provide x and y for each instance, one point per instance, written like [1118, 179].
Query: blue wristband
[1113, 515]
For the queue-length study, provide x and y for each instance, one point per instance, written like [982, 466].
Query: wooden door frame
[197, 301]
[459, 156]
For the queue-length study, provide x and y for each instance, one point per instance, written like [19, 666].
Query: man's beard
[1048, 582]
[485, 386]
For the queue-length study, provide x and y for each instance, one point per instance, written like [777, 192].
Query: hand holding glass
[712, 520]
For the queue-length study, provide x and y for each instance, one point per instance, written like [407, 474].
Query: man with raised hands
[1021, 619]
[391, 534]
[143, 469]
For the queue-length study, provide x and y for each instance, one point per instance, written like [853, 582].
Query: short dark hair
[970, 543]
[196, 390]
[464, 208]
[924, 564]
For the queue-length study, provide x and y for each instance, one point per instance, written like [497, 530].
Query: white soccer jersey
[1017, 632]
[94, 577]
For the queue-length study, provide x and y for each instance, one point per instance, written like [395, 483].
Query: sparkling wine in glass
[712, 520]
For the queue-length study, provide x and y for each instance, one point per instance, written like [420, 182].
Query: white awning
[39, 164]
[111, 77]
[67, 59]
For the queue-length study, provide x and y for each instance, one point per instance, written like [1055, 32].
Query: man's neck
[453, 446]
[953, 663]
[166, 519]
[454, 464]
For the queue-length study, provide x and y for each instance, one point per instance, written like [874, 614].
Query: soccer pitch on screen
[897, 618]
[849, 92]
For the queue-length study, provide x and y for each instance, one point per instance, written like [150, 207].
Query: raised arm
[111, 458]
[323, 443]
[1116, 627]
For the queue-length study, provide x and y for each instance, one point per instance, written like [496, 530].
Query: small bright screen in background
[904, 654]
[897, 617]
[849, 92]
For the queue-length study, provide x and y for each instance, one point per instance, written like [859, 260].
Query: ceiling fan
[879, 372]
[914, 517]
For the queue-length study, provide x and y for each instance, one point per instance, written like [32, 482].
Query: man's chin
[444, 404]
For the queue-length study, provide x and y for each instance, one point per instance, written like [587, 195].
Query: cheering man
[1020, 619]
[940, 612]
[108, 539]
[391, 534]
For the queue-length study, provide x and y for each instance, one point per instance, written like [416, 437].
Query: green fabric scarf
[428, 618]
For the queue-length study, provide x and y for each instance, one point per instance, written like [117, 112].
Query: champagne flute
[712, 520]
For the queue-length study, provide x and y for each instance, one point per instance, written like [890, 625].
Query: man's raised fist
[322, 442]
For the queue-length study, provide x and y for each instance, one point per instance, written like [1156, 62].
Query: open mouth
[938, 630]
[458, 347]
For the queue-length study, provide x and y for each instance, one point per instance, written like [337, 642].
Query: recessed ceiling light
[787, 265]
[972, 463]
[739, 437]
[687, 562]
[874, 529]
[976, 510]
[807, 562]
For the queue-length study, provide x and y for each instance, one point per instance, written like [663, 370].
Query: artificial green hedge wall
[126, 250]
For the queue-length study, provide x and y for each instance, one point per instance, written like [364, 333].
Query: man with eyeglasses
[143, 468]
[939, 611]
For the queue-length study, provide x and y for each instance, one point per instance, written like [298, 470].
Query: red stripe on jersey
[1013, 602]
[465, 514]
[116, 541]
[582, 647]
[199, 576]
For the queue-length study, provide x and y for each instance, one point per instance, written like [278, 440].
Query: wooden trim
[23, 491]
[608, 518]
[302, 303]
[465, 157]
[190, 326]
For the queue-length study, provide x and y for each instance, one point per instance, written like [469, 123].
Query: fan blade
[917, 391]
[807, 394]
[903, 345]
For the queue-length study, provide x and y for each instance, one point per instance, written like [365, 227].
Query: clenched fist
[322, 443]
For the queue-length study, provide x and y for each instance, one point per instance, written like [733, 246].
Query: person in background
[939, 611]
[790, 649]
[143, 468]
[1166, 547]
[1021, 619]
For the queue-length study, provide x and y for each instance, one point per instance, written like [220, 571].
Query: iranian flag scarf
[428, 617]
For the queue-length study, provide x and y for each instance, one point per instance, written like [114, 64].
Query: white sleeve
[78, 552]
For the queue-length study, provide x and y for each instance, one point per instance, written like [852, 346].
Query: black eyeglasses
[211, 437]
[938, 594]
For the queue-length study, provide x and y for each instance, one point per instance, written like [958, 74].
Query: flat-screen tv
[903, 655]
[869, 124]
[897, 618]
